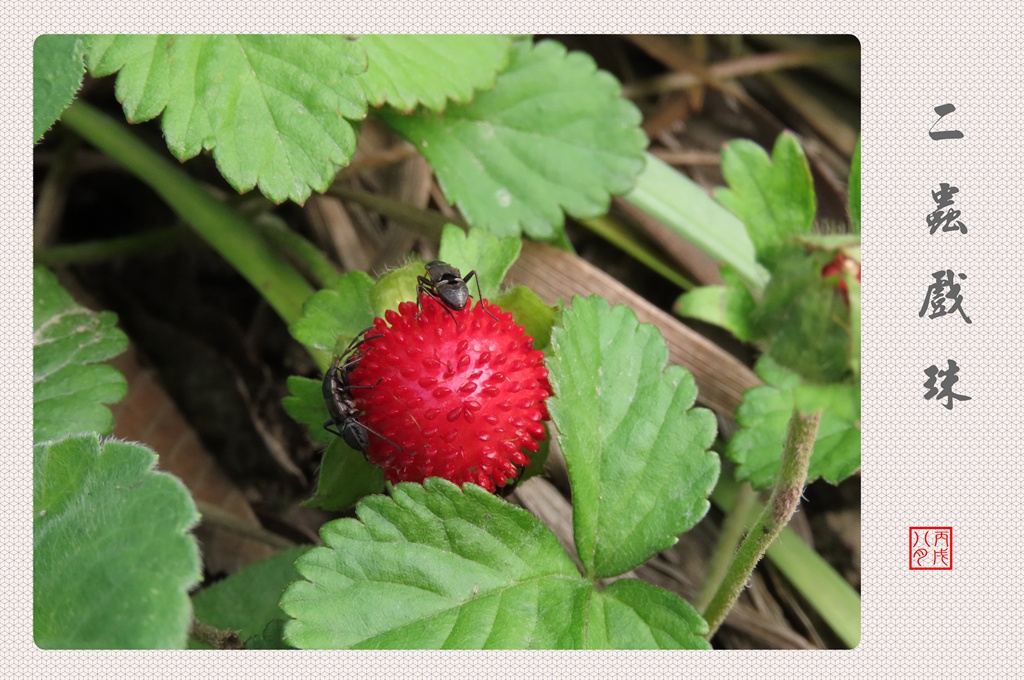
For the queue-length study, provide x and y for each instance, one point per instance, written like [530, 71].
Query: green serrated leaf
[765, 412]
[69, 384]
[112, 557]
[407, 70]
[554, 134]
[729, 306]
[854, 189]
[773, 196]
[633, 614]
[480, 251]
[436, 567]
[333, 316]
[530, 312]
[637, 453]
[246, 601]
[274, 109]
[57, 70]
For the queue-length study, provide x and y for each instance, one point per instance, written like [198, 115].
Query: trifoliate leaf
[554, 134]
[57, 70]
[480, 251]
[633, 614]
[113, 560]
[407, 70]
[773, 196]
[729, 306]
[437, 567]
[637, 453]
[333, 316]
[765, 413]
[70, 385]
[247, 600]
[274, 109]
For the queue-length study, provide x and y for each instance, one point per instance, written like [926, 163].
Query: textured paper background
[922, 465]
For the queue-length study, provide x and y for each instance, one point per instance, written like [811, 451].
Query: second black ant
[341, 406]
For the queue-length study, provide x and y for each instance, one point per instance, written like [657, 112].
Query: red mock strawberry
[459, 394]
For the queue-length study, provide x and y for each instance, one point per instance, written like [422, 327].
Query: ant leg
[479, 295]
[348, 364]
[373, 431]
[421, 288]
[425, 286]
[363, 387]
[328, 428]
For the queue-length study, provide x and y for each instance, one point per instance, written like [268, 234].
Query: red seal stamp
[931, 548]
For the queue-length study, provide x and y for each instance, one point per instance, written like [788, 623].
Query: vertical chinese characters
[944, 296]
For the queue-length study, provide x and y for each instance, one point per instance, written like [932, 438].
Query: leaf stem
[785, 497]
[426, 222]
[221, 227]
[298, 248]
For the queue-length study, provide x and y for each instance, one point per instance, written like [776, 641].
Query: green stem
[785, 497]
[309, 258]
[737, 519]
[102, 250]
[229, 234]
[611, 231]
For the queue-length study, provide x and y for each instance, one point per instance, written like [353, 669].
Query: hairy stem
[737, 519]
[822, 586]
[783, 502]
[215, 637]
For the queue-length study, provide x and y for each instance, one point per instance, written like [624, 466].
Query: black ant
[445, 284]
[340, 403]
